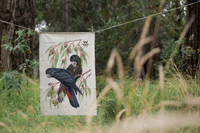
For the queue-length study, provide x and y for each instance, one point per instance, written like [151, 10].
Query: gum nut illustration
[65, 45]
[63, 60]
[49, 84]
[55, 102]
[66, 79]
[49, 94]
[75, 48]
[51, 52]
[69, 50]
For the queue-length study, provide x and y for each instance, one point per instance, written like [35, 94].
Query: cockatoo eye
[48, 75]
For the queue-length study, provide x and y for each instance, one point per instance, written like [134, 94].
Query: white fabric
[87, 103]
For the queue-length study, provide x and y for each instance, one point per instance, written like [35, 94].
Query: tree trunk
[19, 12]
[190, 65]
[65, 15]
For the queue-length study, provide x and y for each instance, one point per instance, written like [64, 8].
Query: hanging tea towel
[67, 73]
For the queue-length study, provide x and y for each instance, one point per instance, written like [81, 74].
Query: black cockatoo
[75, 68]
[67, 81]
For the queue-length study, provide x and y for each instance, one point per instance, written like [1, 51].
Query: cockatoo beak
[74, 63]
[48, 75]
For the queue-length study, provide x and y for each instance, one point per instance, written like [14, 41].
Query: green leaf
[30, 32]
[46, 96]
[62, 96]
[78, 80]
[85, 92]
[9, 83]
[63, 54]
[60, 43]
[85, 60]
[50, 101]
[47, 90]
[3, 38]
[53, 93]
[80, 84]
[89, 90]
[27, 60]
[65, 63]
[19, 32]
[85, 81]
[56, 60]
[48, 56]
[85, 53]
[61, 49]
[47, 93]
[49, 49]
[80, 97]
[19, 38]
[10, 49]
[81, 59]
[61, 64]
[51, 60]
[81, 49]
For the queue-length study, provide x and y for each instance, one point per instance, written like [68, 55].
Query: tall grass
[20, 112]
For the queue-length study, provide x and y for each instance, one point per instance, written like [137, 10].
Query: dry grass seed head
[120, 67]
[155, 123]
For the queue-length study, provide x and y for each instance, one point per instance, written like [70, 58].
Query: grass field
[146, 107]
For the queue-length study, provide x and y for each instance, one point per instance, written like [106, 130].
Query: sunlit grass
[20, 110]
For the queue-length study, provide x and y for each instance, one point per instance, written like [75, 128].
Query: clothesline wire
[18, 26]
[156, 14]
[98, 31]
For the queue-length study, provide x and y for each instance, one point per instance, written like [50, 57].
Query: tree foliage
[83, 15]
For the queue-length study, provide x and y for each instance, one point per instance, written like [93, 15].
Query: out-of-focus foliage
[83, 15]
[13, 80]
[21, 41]
[29, 67]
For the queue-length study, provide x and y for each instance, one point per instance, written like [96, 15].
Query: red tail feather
[69, 95]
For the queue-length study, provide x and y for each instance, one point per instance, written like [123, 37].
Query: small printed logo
[85, 43]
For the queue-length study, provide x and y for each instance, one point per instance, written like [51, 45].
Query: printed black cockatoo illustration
[69, 83]
[75, 68]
